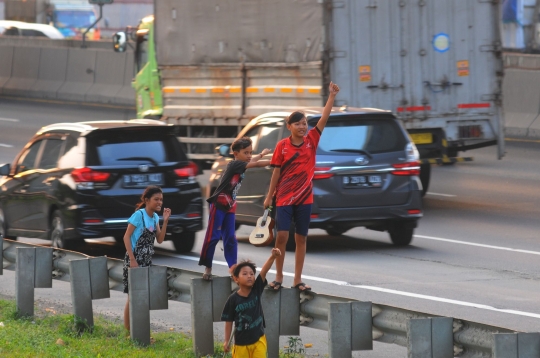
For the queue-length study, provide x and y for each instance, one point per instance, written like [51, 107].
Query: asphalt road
[474, 255]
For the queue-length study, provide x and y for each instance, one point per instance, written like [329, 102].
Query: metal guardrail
[388, 324]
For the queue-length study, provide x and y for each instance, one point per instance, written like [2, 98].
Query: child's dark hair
[148, 193]
[295, 116]
[241, 143]
[244, 263]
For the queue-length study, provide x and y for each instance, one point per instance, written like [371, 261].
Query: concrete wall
[62, 70]
[521, 95]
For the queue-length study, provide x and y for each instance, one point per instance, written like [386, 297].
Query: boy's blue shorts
[300, 214]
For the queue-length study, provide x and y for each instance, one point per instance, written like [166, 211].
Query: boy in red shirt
[294, 166]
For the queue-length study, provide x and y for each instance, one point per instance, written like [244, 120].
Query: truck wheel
[401, 236]
[183, 242]
[425, 175]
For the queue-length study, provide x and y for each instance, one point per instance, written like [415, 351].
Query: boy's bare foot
[207, 274]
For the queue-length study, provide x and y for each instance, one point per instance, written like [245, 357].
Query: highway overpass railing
[351, 324]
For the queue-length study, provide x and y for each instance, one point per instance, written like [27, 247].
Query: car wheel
[401, 236]
[57, 235]
[3, 227]
[336, 231]
[183, 242]
[425, 174]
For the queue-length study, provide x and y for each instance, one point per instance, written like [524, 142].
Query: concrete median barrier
[24, 73]
[108, 78]
[6, 60]
[521, 102]
[52, 73]
[126, 95]
[79, 76]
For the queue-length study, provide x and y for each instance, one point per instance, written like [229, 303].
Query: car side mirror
[120, 41]
[5, 169]
[224, 150]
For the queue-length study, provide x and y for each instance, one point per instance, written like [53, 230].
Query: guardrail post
[89, 279]
[33, 270]
[221, 290]
[202, 321]
[516, 345]
[157, 282]
[505, 345]
[430, 338]
[271, 308]
[339, 330]
[349, 328]
[528, 345]
[2, 253]
[362, 322]
[139, 305]
[148, 290]
[289, 315]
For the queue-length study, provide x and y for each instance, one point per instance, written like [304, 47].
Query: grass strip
[50, 334]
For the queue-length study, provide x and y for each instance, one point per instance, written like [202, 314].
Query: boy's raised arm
[268, 264]
[333, 89]
[256, 161]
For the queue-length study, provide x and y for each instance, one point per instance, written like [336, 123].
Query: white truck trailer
[435, 63]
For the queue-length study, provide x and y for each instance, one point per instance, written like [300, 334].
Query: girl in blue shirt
[143, 229]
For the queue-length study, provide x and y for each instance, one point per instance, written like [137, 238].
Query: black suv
[76, 181]
[367, 173]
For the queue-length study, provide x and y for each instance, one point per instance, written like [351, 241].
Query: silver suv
[367, 173]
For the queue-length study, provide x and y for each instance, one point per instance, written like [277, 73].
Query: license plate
[363, 181]
[142, 180]
[422, 138]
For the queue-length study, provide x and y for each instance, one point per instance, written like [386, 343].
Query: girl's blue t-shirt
[137, 220]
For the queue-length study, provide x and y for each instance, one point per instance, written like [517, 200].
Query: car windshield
[128, 148]
[359, 135]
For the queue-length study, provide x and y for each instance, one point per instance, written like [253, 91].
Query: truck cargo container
[211, 66]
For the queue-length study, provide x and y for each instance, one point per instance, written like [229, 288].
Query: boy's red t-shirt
[297, 164]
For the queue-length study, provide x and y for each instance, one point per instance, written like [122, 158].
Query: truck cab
[147, 82]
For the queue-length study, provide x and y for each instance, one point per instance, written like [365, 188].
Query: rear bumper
[117, 227]
[378, 218]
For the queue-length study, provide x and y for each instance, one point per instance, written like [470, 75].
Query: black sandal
[276, 285]
[303, 285]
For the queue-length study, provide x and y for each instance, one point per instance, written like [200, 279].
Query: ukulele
[263, 233]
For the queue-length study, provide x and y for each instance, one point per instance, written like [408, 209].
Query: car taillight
[322, 173]
[406, 169]
[87, 175]
[188, 171]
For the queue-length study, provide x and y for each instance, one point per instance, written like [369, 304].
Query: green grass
[56, 335]
[39, 337]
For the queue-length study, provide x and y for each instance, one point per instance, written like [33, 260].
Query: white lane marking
[6, 145]
[439, 194]
[9, 119]
[478, 245]
[385, 290]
